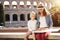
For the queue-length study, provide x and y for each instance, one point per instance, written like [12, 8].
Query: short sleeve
[28, 24]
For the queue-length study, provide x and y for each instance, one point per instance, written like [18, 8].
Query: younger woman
[31, 25]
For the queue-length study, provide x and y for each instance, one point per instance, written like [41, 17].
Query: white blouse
[42, 21]
[32, 25]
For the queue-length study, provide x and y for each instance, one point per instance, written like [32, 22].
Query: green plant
[2, 19]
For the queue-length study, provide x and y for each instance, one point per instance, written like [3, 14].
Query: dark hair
[44, 12]
[40, 6]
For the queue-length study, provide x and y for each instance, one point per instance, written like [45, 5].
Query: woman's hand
[42, 28]
[51, 26]
[37, 28]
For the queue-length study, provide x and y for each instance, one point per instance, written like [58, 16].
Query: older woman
[45, 21]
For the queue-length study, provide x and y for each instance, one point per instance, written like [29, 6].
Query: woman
[45, 21]
[31, 26]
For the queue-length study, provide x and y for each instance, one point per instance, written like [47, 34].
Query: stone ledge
[21, 35]
[54, 36]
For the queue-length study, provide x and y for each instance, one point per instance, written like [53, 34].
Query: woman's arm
[51, 22]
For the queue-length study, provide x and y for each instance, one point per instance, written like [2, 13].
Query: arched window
[21, 4]
[14, 4]
[35, 4]
[15, 17]
[22, 17]
[7, 17]
[28, 4]
[28, 16]
[6, 4]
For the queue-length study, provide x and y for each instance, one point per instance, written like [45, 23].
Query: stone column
[11, 20]
[26, 17]
[10, 4]
[2, 1]
[11, 17]
[18, 17]
[18, 4]
[25, 4]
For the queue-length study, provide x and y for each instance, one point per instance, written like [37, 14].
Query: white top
[42, 21]
[32, 25]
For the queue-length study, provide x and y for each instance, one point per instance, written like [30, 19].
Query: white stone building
[17, 11]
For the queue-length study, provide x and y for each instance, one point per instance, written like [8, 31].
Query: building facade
[17, 11]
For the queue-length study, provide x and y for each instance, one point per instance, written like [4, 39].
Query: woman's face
[40, 10]
[32, 16]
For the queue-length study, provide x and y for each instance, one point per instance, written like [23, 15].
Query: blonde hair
[32, 13]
